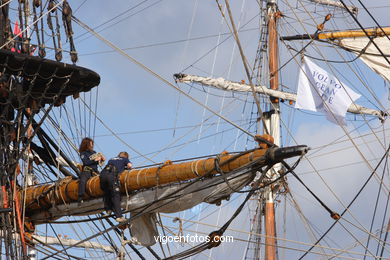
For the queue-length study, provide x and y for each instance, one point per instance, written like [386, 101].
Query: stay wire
[144, 208]
[354, 237]
[114, 134]
[281, 176]
[169, 42]
[376, 206]
[383, 223]
[331, 212]
[375, 21]
[70, 146]
[106, 236]
[147, 69]
[119, 233]
[62, 245]
[90, 115]
[44, 250]
[96, 106]
[385, 239]
[347, 134]
[321, 59]
[199, 248]
[365, 32]
[223, 41]
[374, 235]
[342, 74]
[85, 115]
[344, 128]
[79, 6]
[74, 121]
[163, 129]
[350, 204]
[311, 229]
[117, 16]
[244, 61]
[341, 251]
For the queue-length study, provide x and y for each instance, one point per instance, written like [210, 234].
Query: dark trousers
[84, 177]
[109, 183]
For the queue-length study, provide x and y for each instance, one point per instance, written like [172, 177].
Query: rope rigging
[88, 117]
[350, 204]
[27, 84]
[144, 209]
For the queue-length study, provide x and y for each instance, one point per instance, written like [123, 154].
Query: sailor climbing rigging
[109, 183]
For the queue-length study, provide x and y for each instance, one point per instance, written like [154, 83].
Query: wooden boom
[376, 32]
[65, 191]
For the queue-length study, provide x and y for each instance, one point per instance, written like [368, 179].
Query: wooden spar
[66, 190]
[40, 199]
[223, 84]
[352, 34]
[70, 242]
[375, 32]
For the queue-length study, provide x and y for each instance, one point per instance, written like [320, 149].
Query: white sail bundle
[71, 242]
[369, 54]
[223, 84]
[338, 4]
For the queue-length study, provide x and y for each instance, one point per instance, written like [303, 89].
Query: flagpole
[273, 119]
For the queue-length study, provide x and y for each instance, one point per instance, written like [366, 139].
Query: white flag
[322, 92]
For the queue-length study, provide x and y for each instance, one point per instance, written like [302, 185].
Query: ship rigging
[229, 93]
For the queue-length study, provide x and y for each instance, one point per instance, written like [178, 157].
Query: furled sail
[356, 41]
[241, 87]
[369, 54]
[338, 4]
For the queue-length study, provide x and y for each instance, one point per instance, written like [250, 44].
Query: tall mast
[272, 117]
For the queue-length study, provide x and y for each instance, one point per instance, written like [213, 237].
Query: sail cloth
[320, 91]
[143, 229]
[369, 54]
[151, 201]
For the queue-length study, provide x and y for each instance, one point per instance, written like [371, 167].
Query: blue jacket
[88, 162]
[120, 163]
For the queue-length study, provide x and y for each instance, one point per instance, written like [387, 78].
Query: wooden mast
[273, 121]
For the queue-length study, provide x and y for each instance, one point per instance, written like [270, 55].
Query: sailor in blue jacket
[90, 160]
[109, 183]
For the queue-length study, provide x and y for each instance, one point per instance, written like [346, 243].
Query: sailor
[90, 160]
[109, 183]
